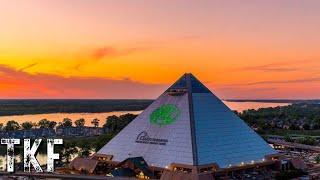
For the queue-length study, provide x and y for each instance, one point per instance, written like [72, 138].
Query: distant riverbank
[49, 106]
[45, 106]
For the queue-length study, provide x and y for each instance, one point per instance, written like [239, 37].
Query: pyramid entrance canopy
[188, 125]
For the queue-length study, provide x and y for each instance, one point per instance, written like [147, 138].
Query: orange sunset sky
[135, 49]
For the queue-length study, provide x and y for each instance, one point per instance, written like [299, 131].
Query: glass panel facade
[222, 137]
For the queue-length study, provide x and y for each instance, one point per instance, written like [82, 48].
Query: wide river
[58, 117]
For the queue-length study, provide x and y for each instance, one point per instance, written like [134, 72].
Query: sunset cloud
[269, 68]
[110, 51]
[266, 82]
[276, 67]
[286, 66]
[18, 84]
[304, 80]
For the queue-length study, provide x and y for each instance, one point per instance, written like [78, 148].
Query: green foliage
[112, 123]
[294, 127]
[95, 122]
[27, 125]
[69, 148]
[44, 123]
[288, 138]
[52, 124]
[294, 115]
[12, 125]
[115, 124]
[317, 159]
[306, 126]
[84, 151]
[80, 122]
[308, 140]
[66, 122]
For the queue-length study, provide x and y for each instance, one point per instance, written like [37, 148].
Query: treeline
[12, 125]
[295, 117]
[308, 140]
[22, 107]
[112, 123]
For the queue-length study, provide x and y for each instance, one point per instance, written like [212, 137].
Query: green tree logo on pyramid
[165, 115]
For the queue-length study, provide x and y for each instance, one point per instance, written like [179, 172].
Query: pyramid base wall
[176, 171]
[171, 175]
[212, 171]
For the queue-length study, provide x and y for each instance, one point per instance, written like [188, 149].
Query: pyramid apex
[190, 83]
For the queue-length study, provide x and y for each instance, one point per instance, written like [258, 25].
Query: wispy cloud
[109, 51]
[270, 68]
[277, 67]
[96, 55]
[28, 66]
[266, 82]
[305, 80]
[286, 66]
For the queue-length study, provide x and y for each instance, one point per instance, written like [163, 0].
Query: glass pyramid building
[188, 125]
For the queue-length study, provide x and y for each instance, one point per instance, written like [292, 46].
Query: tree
[52, 124]
[12, 126]
[315, 126]
[95, 122]
[80, 122]
[316, 121]
[288, 138]
[308, 140]
[68, 151]
[27, 125]
[1, 126]
[111, 123]
[66, 122]
[84, 151]
[317, 159]
[44, 123]
[293, 127]
[125, 119]
[306, 126]
[115, 124]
